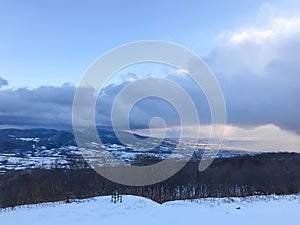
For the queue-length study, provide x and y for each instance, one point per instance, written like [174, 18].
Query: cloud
[252, 49]
[141, 113]
[3, 82]
[278, 28]
[43, 106]
[258, 70]
[49, 106]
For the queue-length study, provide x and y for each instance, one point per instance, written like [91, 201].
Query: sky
[253, 48]
[52, 42]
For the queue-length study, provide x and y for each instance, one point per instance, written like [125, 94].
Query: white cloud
[181, 73]
[252, 49]
[278, 28]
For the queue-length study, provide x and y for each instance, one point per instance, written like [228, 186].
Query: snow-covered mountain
[262, 210]
[49, 148]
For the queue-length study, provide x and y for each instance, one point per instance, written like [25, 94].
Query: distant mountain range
[50, 148]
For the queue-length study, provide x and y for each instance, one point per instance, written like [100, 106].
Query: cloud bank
[46, 106]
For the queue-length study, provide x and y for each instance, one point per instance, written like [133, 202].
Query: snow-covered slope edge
[137, 210]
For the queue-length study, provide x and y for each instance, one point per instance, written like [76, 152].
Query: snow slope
[136, 210]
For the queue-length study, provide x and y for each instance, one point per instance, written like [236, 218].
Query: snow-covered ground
[260, 210]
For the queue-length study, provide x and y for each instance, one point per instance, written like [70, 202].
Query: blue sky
[52, 42]
[252, 47]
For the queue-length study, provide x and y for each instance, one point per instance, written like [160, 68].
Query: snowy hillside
[49, 148]
[136, 210]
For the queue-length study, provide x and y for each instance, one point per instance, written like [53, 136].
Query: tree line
[268, 173]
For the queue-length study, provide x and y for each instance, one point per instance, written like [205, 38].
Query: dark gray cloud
[3, 82]
[49, 106]
[43, 106]
[272, 97]
[151, 107]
